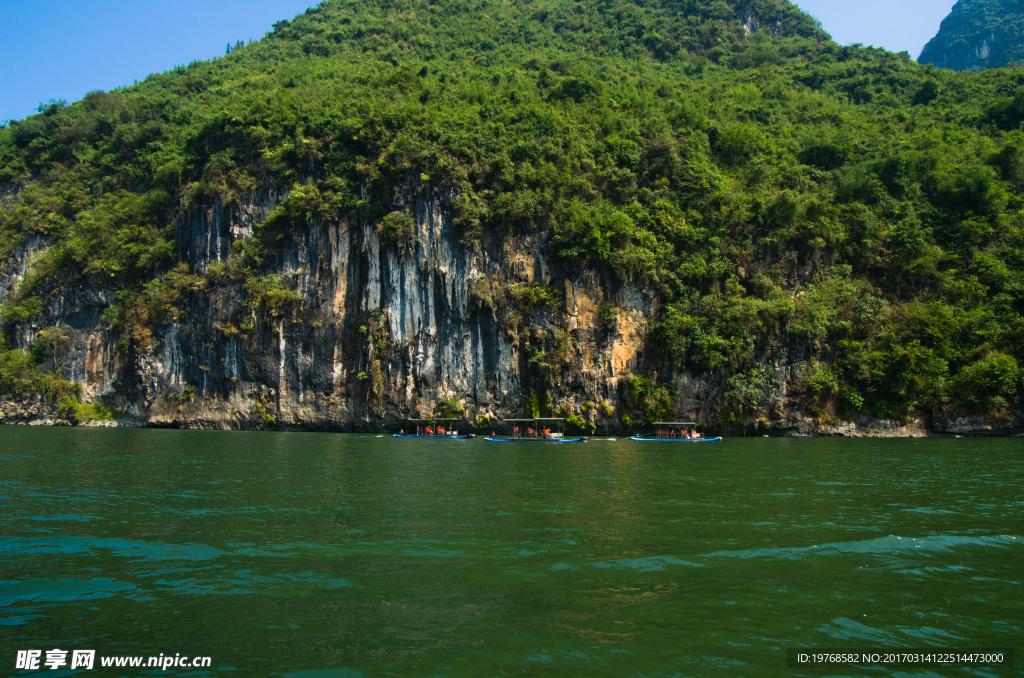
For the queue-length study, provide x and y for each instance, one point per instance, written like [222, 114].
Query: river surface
[349, 556]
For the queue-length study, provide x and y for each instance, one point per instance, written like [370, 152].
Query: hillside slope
[610, 211]
[978, 34]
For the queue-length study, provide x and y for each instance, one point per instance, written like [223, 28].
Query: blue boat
[536, 430]
[641, 439]
[675, 432]
[555, 441]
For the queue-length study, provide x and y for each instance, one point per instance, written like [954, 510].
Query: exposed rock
[386, 331]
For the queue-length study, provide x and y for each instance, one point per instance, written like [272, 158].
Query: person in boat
[529, 431]
[440, 430]
[430, 431]
[515, 432]
[547, 433]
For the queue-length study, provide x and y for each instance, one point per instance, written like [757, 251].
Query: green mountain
[611, 210]
[978, 34]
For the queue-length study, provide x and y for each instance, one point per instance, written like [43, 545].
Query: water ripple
[145, 550]
[879, 545]
[60, 591]
[651, 564]
[246, 582]
[844, 628]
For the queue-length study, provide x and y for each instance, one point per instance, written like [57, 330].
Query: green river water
[348, 556]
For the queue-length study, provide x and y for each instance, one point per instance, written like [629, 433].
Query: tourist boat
[433, 429]
[675, 432]
[536, 430]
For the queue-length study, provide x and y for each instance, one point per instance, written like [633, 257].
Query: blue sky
[62, 49]
[897, 25]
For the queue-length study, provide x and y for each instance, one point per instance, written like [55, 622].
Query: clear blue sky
[62, 49]
[897, 25]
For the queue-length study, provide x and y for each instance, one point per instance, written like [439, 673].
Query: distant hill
[978, 34]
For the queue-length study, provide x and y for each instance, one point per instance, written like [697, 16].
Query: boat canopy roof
[675, 423]
[431, 419]
[539, 419]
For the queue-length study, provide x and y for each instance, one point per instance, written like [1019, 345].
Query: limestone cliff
[380, 330]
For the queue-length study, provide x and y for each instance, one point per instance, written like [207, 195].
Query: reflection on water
[320, 556]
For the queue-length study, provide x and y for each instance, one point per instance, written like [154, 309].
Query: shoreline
[974, 427]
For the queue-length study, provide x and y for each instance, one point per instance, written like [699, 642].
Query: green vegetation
[645, 396]
[271, 291]
[531, 406]
[776, 191]
[397, 227]
[450, 408]
[24, 374]
[978, 34]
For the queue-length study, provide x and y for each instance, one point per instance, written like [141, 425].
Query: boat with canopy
[433, 429]
[675, 432]
[536, 430]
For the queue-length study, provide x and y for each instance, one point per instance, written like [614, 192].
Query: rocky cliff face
[378, 330]
[963, 57]
[375, 329]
